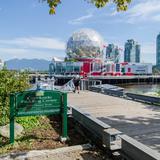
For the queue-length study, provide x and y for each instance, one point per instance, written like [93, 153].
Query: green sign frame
[37, 103]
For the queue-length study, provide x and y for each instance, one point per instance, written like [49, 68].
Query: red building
[91, 66]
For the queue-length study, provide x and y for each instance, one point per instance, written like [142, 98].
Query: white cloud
[140, 11]
[80, 20]
[12, 51]
[35, 42]
[146, 10]
[9, 53]
[31, 47]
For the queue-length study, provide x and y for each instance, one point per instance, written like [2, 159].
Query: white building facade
[1, 64]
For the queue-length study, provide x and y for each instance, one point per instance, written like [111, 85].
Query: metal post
[64, 118]
[12, 105]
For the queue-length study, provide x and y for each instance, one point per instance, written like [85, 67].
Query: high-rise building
[132, 51]
[112, 53]
[158, 50]
[138, 51]
[1, 64]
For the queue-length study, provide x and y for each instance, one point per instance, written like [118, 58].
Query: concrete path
[140, 121]
[78, 152]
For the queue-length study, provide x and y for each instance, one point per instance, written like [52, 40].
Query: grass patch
[43, 133]
[29, 122]
[32, 126]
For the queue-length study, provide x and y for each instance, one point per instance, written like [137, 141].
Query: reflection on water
[147, 89]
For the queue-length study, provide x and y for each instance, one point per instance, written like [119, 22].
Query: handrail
[143, 98]
[69, 86]
[127, 95]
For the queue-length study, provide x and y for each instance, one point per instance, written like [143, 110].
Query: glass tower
[158, 50]
[132, 51]
[138, 50]
[112, 53]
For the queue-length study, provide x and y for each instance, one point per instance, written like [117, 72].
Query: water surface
[147, 89]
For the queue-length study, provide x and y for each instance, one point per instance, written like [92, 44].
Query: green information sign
[33, 103]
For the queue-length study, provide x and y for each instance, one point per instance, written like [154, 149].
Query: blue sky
[28, 31]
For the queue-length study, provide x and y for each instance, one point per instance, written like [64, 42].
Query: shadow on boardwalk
[143, 129]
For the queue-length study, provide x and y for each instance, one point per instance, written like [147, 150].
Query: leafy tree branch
[121, 5]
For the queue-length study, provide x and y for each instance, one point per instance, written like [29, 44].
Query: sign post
[39, 102]
[64, 118]
[12, 118]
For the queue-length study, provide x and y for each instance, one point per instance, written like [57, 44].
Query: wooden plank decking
[140, 121]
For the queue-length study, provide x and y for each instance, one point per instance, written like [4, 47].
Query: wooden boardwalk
[140, 121]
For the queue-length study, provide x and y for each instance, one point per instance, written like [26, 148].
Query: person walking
[76, 82]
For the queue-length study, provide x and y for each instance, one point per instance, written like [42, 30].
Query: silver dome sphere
[85, 43]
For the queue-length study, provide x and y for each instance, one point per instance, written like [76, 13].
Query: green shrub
[10, 82]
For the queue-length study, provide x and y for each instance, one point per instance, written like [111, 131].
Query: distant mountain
[31, 64]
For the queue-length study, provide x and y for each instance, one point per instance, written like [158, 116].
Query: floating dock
[62, 79]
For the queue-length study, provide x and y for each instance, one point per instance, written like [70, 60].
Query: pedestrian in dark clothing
[76, 82]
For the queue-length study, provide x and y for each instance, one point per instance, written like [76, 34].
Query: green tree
[10, 82]
[121, 5]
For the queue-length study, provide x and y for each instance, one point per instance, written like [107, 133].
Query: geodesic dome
[85, 43]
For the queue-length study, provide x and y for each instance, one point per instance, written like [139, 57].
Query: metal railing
[120, 93]
[113, 92]
[87, 84]
[143, 98]
[69, 86]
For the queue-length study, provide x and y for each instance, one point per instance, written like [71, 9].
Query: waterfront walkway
[140, 121]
